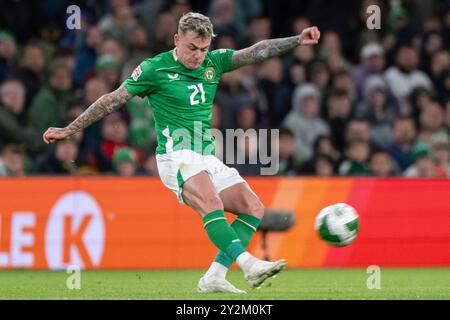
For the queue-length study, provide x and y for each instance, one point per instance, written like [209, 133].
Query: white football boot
[263, 270]
[215, 284]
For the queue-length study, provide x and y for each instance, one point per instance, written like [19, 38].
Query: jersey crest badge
[210, 74]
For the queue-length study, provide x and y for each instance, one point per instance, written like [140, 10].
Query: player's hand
[55, 134]
[310, 36]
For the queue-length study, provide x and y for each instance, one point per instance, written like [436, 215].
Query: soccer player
[180, 85]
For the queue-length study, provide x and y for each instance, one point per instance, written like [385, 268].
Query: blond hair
[198, 23]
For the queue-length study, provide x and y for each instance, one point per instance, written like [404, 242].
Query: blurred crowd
[361, 103]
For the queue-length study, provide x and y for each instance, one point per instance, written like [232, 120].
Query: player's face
[191, 49]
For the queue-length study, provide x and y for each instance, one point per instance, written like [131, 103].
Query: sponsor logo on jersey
[173, 77]
[136, 73]
[209, 74]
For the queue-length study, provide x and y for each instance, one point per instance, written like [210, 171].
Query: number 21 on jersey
[197, 89]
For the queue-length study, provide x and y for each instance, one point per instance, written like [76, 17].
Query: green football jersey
[181, 98]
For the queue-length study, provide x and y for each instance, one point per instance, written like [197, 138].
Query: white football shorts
[176, 167]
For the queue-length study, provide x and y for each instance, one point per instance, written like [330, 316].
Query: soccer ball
[337, 224]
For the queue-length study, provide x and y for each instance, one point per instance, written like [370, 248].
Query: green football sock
[245, 227]
[222, 235]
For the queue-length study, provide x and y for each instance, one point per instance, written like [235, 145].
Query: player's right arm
[105, 105]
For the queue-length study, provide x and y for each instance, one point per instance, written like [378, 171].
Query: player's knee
[211, 202]
[203, 203]
[255, 208]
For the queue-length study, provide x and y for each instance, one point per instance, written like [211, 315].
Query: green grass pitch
[297, 284]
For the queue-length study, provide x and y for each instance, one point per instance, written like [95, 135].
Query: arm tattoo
[264, 50]
[105, 105]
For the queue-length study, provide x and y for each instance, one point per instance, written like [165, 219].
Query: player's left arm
[274, 47]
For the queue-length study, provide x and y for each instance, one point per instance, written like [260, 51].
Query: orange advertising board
[121, 223]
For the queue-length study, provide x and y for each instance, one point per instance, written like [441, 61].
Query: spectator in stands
[180, 7]
[12, 161]
[320, 76]
[342, 80]
[120, 22]
[440, 61]
[8, 51]
[247, 148]
[225, 41]
[112, 47]
[304, 120]
[404, 77]
[232, 85]
[270, 76]
[227, 19]
[165, 29]
[245, 156]
[65, 56]
[139, 46]
[331, 52]
[94, 88]
[141, 128]
[381, 164]
[423, 166]
[324, 166]
[86, 55]
[125, 162]
[441, 156]
[357, 129]
[303, 54]
[432, 43]
[123, 24]
[114, 133]
[31, 71]
[377, 110]
[432, 125]
[419, 99]
[400, 81]
[294, 75]
[245, 113]
[299, 23]
[287, 159]
[443, 88]
[372, 63]
[323, 147]
[259, 28]
[357, 157]
[404, 138]
[59, 160]
[49, 105]
[13, 123]
[107, 69]
[338, 114]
